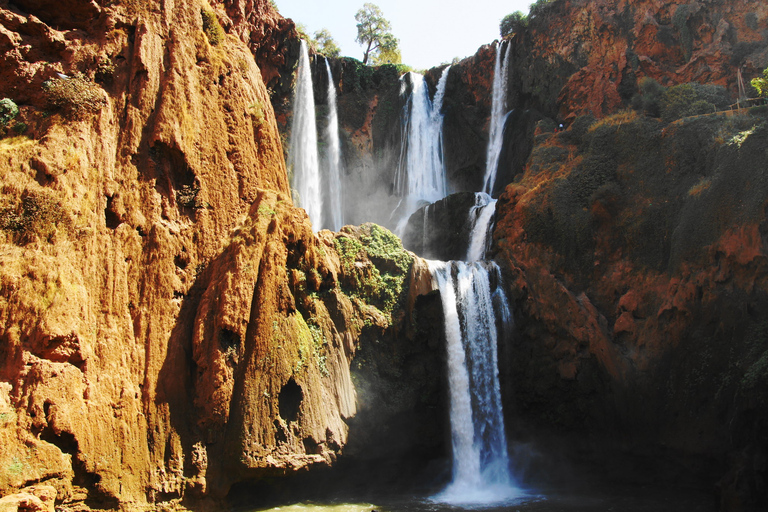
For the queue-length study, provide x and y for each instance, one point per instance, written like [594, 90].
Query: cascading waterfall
[333, 159]
[420, 175]
[498, 116]
[481, 472]
[481, 220]
[303, 157]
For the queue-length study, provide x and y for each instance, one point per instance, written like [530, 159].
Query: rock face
[370, 104]
[441, 231]
[590, 55]
[171, 325]
[636, 255]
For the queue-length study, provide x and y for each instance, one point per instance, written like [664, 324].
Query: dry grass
[617, 119]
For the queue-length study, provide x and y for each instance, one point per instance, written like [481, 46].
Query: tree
[373, 32]
[388, 56]
[325, 43]
[761, 83]
[512, 23]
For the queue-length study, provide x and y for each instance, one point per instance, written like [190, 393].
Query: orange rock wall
[171, 324]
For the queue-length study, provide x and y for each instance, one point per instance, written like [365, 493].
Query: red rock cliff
[171, 324]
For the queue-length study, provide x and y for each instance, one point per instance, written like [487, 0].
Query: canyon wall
[171, 324]
[173, 331]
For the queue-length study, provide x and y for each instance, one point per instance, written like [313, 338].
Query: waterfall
[420, 175]
[481, 472]
[498, 116]
[303, 159]
[333, 159]
[481, 220]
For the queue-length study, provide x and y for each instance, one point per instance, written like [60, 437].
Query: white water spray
[481, 473]
[481, 219]
[335, 206]
[303, 157]
[420, 175]
[498, 116]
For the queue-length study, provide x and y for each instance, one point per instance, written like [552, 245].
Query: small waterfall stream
[498, 116]
[472, 301]
[302, 155]
[481, 218]
[333, 160]
[420, 175]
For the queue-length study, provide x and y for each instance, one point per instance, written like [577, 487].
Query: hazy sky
[430, 31]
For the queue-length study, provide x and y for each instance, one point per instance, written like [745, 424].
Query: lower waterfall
[472, 302]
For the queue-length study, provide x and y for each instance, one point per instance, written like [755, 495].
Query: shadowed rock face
[636, 256]
[444, 235]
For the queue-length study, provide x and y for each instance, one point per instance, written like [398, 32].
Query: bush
[8, 110]
[38, 215]
[211, 27]
[648, 100]
[539, 7]
[692, 99]
[512, 23]
[75, 95]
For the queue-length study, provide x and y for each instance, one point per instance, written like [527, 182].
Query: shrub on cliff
[761, 83]
[687, 100]
[380, 282]
[211, 27]
[37, 214]
[512, 23]
[75, 95]
[679, 101]
[649, 97]
[8, 110]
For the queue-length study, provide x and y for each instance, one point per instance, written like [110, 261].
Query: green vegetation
[380, 283]
[325, 44]
[381, 244]
[761, 83]
[373, 32]
[211, 27]
[16, 467]
[512, 23]
[348, 249]
[539, 7]
[8, 111]
[75, 95]
[37, 215]
[684, 100]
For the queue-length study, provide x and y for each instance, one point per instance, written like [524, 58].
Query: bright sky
[431, 32]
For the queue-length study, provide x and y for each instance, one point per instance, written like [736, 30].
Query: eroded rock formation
[171, 325]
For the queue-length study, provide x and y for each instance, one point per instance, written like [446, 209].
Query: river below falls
[614, 499]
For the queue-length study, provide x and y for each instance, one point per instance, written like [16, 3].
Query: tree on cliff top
[512, 23]
[761, 83]
[325, 43]
[373, 32]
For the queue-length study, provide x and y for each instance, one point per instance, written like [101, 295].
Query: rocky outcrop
[636, 257]
[588, 57]
[171, 324]
[273, 40]
[441, 231]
